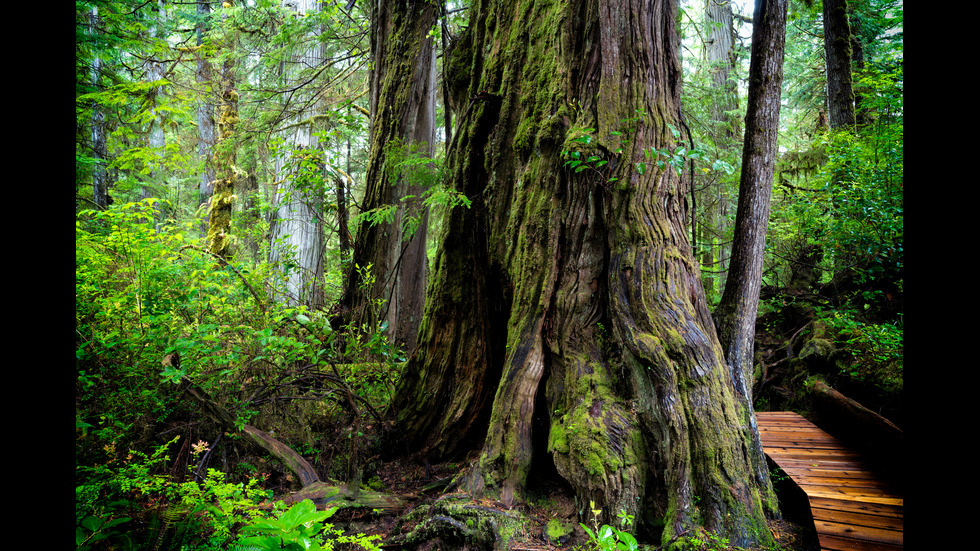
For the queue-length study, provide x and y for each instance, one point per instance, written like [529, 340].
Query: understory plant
[114, 498]
[610, 538]
[301, 527]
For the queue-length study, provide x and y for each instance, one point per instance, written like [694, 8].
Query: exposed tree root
[456, 519]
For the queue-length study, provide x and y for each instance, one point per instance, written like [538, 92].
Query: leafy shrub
[877, 351]
[300, 528]
[111, 495]
[146, 293]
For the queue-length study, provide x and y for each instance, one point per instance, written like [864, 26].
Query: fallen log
[322, 493]
[304, 472]
[877, 437]
[839, 405]
[328, 494]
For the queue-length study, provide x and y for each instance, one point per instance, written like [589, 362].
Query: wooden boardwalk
[852, 508]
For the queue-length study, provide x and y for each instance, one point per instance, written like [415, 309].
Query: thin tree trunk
[737, 311]
[837, 48]
[573, 296]
[100, 176]
[205, 112]
[223, 189]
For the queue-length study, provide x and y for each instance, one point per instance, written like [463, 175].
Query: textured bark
[571, 296]
[100, 177]
[205, 112]
[403, 88]
[297, 235]
[736, 313]
[720, 56]
[837, 49]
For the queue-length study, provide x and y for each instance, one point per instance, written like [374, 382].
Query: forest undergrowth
[155, 312]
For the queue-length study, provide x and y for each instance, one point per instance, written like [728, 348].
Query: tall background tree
[297, 231]
[837, 47]
[736, 313]
[220, 204]
[721, 57]
[206, 104]
[387, 276]
[99, 151]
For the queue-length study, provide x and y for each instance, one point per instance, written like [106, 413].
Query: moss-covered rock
[558, 531]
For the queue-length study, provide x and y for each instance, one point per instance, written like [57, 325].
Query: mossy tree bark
[737, 311]
[223, 187]
[574, 297]
[403, 87]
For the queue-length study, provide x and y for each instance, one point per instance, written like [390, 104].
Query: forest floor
[548, 502]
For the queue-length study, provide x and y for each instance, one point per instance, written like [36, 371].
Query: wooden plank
[851, 470]
[878, 509]
[823, 480]
[857, 519]
[866, 498]
[834, 543]
[863, 533]
[852, 509]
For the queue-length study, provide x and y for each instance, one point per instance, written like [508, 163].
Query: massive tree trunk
[736, 313]
[570, 294]
[403, 87]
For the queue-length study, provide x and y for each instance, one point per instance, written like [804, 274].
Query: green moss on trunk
[597, 301]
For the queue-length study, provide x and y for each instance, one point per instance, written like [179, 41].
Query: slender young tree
[565, 326]
[736, 313]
